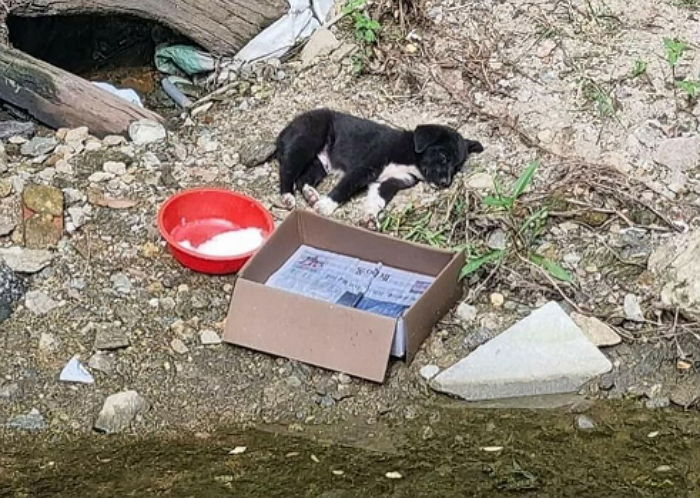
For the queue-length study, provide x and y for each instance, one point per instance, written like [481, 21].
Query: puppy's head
[441, 153]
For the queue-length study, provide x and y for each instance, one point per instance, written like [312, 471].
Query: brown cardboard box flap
[323, 334]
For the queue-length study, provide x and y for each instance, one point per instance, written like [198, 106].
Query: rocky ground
[590, 91]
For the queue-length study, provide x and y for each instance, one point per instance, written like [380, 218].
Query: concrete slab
[545, 353]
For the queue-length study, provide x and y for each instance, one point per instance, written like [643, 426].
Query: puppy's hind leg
[294, 162]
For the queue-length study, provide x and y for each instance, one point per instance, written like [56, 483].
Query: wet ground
[451, 451]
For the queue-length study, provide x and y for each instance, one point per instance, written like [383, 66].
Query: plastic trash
[175, 93]
[125, 93]
[183, 59]
[299, 23]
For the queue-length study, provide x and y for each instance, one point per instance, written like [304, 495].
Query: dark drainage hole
[115, 49]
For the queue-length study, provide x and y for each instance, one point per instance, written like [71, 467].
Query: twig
[554, 284]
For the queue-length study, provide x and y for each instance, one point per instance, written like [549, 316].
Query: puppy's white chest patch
[403, 172]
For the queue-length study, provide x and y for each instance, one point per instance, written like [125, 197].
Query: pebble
[47, 343]
[480, 181]
[114, 167]
[497, 240]
[38, 146]
[39, 302]
[293, 381]
[492, 449]
[32, 421]
[633, 311]
[429, 371]
[584, 423]
[685, 394]
[100, 176]
[144, 131]
[12, 287]
[11, 128]
[179, 347]
[255, 153]
[101, 362]
[344, 379]
[5, 188]
[393, 475]
[663, 468]
[598, 332]
[77, 135]
[497, 299]
[121, 283]
[110, 337]
[238, 450]
[209, 337]
[466, 312]
[657, 402]
[119, 410]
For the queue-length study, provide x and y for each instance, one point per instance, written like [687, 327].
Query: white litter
[228, 244]
[125, 93]
[74, 371]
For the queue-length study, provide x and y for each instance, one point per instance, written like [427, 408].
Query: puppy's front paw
[287, 201]
[310, 194]
[325, 206]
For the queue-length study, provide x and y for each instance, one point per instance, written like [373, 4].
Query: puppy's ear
[425, 136]
[473, 147]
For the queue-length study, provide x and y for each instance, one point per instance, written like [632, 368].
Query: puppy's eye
[442, 158]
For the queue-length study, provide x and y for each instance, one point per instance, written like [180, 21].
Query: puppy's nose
[444, 182]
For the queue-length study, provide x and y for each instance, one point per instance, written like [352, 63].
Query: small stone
[12, 287]
[63, 167]
[77, 135]
[466, 312]
[100, 176]
[238, 450]
[256, 153]
[657, 402]
[115, 168]
[43, 199]
[497, 299]
[121, 283]
[663, 468]
[678, 153]
[606, 382]
[207, 144]
[38, 146]
[497, 240]
[179, 347]
[209, 337]
[584, 423]
[78, 216]
[685, 394]
[429, 371]
[480, 181]
[47, 343]
[293, 381]
[10, 128]
[9, 390]
[74, 371]
[119, 410]
[101, 362]
[92, 145]
[344, 379]
[113, 140]
[480, 336]
[32, 421]
[110, 337]
[145, 132]
[39, 302]
[633, 311]
[5, 188]
[393, 475]
[598, 332]
[26, 260]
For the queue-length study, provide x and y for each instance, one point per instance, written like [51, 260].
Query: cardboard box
[328, 335]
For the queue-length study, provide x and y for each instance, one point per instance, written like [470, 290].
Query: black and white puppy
[369, 156]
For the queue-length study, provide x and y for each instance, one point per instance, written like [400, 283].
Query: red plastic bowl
[199, 214]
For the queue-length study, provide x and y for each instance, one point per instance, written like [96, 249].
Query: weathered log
[220, 26]
[61, 99]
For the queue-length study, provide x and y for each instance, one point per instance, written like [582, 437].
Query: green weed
[639, 68]
[674, 50]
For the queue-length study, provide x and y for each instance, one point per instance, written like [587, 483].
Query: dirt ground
[585, 89]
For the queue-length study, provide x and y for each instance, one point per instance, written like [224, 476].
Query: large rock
[545, 353]
[681, 153]
[677, 266]
[119, 410]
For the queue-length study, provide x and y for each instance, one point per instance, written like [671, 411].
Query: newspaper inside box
[340, 297]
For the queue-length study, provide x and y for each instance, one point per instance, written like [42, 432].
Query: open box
[326, 334]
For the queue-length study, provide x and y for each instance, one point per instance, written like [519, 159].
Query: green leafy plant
[639, 68]
[366, 28]
[522, 231]
[690, 87]
[674, 50]
[603, 101]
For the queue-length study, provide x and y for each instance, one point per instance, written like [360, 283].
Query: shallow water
[630, 452]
